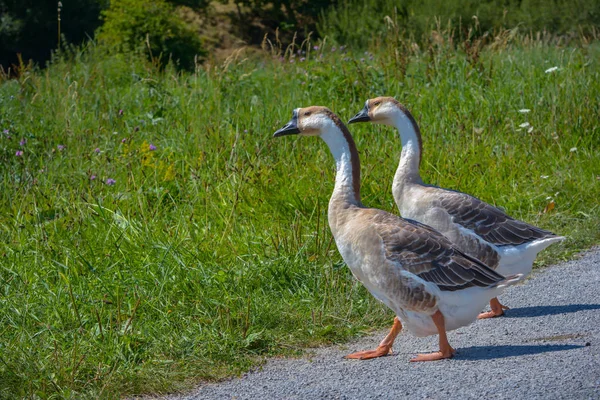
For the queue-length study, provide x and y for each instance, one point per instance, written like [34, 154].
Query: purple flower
[120, 112]
[60, 147]
[245, 130]
[342, 48]
[110, 181]
[92, 177]
[152, 147]
[97, 150]
[291, 61]
[333, 49]
[23, 142]
[302, 58]
[124, 140]
[315, 47]
[19, 153]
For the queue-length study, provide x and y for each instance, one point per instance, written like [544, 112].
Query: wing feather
[488, 222]
[428, 254]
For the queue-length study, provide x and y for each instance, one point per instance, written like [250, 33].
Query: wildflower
[23, 142]
[6, 131]
[291, 61]
[92, 177]
[362, 60]
[573, 149]
[524, 125]
[120, 112]
[333, 49]
[524, 110]
[245, 130]
[315, 47]
[550, 70]
[342, 48]
[60, 147]
[302, 59]
[110, 181]
[151, 147]
[19, 153]
[544, 176]
[97, 150]
[124, 140]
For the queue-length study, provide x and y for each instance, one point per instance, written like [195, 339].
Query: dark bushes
[151, 25]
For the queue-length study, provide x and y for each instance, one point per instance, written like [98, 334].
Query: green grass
[213, 251]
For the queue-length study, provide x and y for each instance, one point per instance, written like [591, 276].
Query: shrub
[154, 26]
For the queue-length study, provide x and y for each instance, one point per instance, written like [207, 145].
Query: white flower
[573, 149]
[544, 176]
[530, 129]
[524, 110]
[550, 70]
[524, 125]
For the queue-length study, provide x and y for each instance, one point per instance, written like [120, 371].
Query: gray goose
[414, 270]
[507, 245]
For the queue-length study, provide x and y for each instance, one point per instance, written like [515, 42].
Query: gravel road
[547, 346]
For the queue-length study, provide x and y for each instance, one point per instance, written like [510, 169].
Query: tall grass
[153, 234]
[357, 23]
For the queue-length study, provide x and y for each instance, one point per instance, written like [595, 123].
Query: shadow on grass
[538, 311]
[495, 352]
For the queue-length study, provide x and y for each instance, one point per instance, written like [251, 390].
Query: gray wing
[488, 222]
[428, 254]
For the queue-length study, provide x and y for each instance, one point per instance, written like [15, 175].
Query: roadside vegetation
[153, 234]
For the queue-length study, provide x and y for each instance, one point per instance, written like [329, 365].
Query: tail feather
[541, 244]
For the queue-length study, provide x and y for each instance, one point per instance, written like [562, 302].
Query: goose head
[309, 121]
[380, 110]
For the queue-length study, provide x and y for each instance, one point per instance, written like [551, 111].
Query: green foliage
[356, 23]
[153, 233]
[152, 26]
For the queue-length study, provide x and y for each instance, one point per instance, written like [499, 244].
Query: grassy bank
[153, 233]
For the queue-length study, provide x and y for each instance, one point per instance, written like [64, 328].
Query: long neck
[347, 178]
[410, 158]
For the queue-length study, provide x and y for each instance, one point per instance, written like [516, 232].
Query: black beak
[362, 116]
[291, 128]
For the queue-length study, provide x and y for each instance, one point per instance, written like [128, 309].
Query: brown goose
[480, 230]
[414, 270]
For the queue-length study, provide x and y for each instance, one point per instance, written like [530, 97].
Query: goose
[431, 286]
[482, 231]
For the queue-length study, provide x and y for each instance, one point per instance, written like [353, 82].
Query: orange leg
[446, 351]
[384, 348]
[497, 310]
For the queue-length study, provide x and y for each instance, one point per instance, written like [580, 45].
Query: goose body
[478, 229]
[413, 269]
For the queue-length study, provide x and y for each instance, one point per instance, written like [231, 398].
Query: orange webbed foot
[380, 351]
[497, 310]
[438, 355]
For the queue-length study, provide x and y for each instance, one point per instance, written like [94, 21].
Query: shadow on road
[538, 311]
[491, 352]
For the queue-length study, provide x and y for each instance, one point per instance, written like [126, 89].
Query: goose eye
[307, 114]
[377, 103]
